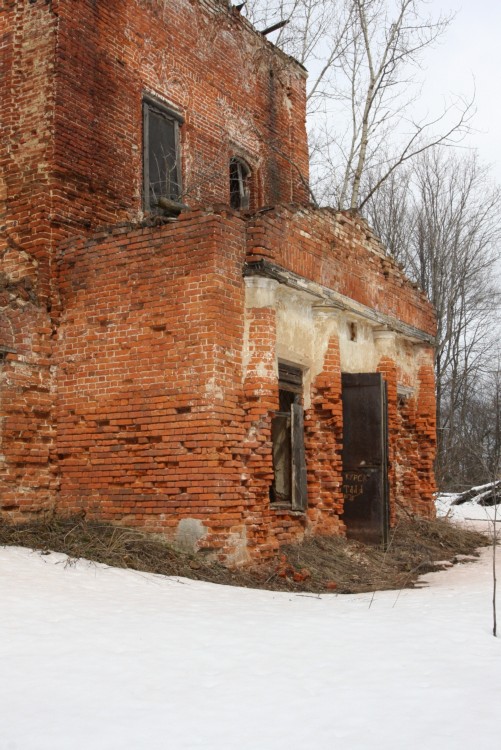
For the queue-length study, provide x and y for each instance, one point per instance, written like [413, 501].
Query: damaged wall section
[168, 376]
[74, 75]
[140, 364]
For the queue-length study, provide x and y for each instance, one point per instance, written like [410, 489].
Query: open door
[365, 457]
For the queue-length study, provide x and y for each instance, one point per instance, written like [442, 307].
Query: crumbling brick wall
[238, 95]
[167, 388]
[147, 401]
[27, 469]
[134, 383]
[414, 445]
[73, 74]
[27, 87]
[260, 401]
[324, 439]
[339, 251]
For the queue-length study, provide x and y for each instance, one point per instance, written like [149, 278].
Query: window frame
[150, 104]
[243, 178]
[291, 381]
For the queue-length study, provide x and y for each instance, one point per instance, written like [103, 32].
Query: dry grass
[415, 547]
[317, 565]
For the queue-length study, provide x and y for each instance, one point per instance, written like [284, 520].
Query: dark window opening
[162, 173]
[404, 393]
[287, 432]
[239, 184]
[286, 399]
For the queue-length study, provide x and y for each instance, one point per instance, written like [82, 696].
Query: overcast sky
[470, 55]
[467, 59]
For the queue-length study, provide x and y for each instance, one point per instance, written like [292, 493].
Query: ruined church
[187, 345]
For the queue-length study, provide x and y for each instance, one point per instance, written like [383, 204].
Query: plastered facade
[139, 373]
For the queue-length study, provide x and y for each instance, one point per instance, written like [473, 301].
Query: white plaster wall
[360, 355]
[303, 334]
[304, 329]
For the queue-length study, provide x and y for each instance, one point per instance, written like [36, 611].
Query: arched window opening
[239, 184]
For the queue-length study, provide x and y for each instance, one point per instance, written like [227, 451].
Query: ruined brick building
[188, 345]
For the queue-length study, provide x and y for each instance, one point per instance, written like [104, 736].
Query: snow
[101, 658]
[482, 516]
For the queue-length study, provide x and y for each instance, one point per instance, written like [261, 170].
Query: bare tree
[442, 221]
[316, 34]
[496, 470]
[363, 56]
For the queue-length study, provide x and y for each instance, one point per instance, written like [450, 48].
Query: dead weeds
[319, 564]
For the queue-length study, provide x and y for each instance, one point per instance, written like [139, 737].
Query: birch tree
[363, 58]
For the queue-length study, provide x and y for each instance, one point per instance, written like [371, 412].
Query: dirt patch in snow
[319, 564]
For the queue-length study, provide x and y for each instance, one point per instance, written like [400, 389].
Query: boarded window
[239, 184]
[287, 428]
[162, 174]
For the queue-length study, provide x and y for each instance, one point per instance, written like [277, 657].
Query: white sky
[470, 55]
[466, 59]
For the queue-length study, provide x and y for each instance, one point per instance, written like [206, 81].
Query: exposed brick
[135, 385]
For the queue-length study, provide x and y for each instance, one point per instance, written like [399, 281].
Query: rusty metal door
[365, 457]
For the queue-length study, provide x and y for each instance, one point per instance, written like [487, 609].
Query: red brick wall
[72, 77]
[339, 250]
[73, 74]
[412, 441]
[323, 443]
[237, 93]
[426, 431]
[28, 472]
[28, 42]
[149, 373]
[415, 442]
[165, 399]
[260, 400]
[27, 46]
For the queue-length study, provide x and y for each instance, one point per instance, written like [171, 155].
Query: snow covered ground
[472, 513]
[99, 658]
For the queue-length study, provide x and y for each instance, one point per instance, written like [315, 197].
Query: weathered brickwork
[28, 473]
[260, 394]
[139, 354]
[74, 74]
[339, 251]
[237, 96]
[426, 427]
[146, 363]
[167, 388]
[27, 87]
[27, 470]
[324, 438]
